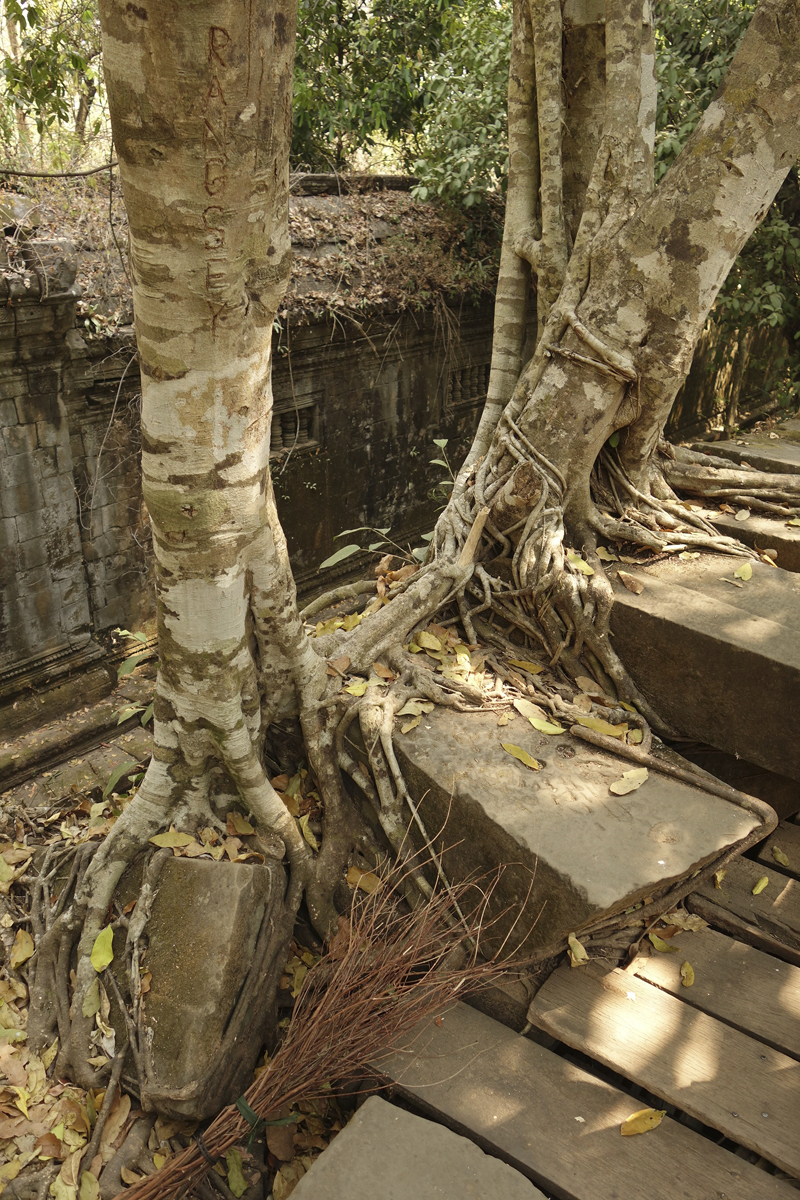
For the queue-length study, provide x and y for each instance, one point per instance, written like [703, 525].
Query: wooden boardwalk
[722, 1057]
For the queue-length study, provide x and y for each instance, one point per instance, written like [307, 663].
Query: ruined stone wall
[44, 604]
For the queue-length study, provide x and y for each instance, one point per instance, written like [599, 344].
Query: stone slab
[202, 935]
[762, 533]
[759, 451]
[564, 840]
[719, 662]
[392, 1154]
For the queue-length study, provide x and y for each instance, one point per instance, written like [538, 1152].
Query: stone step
[764, 453]
[762, 533]
[390, 1154]
[559, 1124]
[564, 841]
[718, 658]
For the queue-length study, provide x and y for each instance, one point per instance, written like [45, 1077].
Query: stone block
[761, 452]
[565, 842]
[64, 457]
[20, 439]
[54, 260]
[764, 533]
[392, 1154]
[31, 525]
[13, 384]
[31, 554]
[50, 434]
[203, 930]
[8, 413]
[47, 461]
[717, 657]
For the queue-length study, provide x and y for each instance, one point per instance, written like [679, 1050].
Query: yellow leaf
[504, 718]
[688, 555]
[662, 946]
[172, 838]
[629, 782]
[579, 563]
[779, 856]
[325, 627]
[352, 620]
[745, 572]
[762, 883]
[522, 756]
[600, 726]
[794, 521]
[22, 948]
[308, 834]
[545, 726]
[240, 823]
[606, 555]
[523, 664]
[415, 708]
[409, 725]
[635, 737]
[159, 1160]
[90, 1188]
[49, 1054]
[368, 881]
[130, 1177]
[102, 951]
[642, 1121]
[687, 974]
[577, 952]
[719, 876]
[427, 641]
[6, 873]
[527, 709]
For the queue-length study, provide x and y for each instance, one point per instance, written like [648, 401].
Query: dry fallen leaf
[548, 727]
[631, 582]
[409, 725]
[504, 718]
[629, 782]
[604, 727]
[642, 1121]
[579, 564]
[577, 952]
[172, 838]
[762, 883]
[528, 709]
[779, 856]
[368, 881]
[745, 572]
[660, 945]
[522, 756]
[102, 950]
[719, 876]
[742, 514]
[524, 665]
[690, 922]
[687, 974]
[22, 949]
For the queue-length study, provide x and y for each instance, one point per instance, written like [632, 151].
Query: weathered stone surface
[765, 534]
[759, 451]
[720, 662]
[202, 937]
[390, 1154]
[559, 832]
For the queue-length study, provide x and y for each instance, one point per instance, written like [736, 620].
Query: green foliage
[464, 136]
[695, 42]
[359, 73]
[51, 66]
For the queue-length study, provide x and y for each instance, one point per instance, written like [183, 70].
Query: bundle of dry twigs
[385, 972]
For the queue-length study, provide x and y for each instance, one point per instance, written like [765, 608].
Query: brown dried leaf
[631, 582]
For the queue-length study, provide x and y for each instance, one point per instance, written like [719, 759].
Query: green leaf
[130, 664]
[745, 572]
[345, 552]
[580, 564]
[236, 1179]
[613, 441]
[115, 777]
[440, 442]
[437, 462]
[131, 711]
[148, 713]
[102, 952]
[91, 1001]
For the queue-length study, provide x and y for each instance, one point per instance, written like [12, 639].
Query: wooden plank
[742, 930]
[746, 1090]
[557, 1124]
[775, 911]
[786, 839]
[738, 984]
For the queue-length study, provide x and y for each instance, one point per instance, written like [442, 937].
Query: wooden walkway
[722, 1057]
